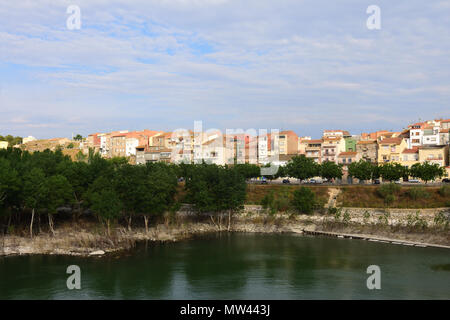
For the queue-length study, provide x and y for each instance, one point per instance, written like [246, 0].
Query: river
[237, 266]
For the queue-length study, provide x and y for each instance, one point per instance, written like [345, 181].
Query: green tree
[156, 191]
[361, 170]
[34, 192]
[330, 170]
[247, 170]
[427, 171]
[302, 168]
[393, 171]
[107, 206]
[78, 137]
[304, 200]
[215, 189]
[57, 192]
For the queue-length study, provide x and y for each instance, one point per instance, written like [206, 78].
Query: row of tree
[303, 168]
[42, 183]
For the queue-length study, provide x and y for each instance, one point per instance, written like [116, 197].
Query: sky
[303, 65]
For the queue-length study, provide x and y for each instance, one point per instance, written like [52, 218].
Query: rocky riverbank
[89, 239]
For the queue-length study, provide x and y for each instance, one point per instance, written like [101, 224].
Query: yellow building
[3, 144]
[390, 149]
[409, 157]
[434, 154]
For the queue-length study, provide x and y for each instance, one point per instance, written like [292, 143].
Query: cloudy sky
[305, 65]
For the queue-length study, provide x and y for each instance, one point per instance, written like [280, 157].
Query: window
[349, 160]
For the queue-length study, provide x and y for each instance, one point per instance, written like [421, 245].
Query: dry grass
[255, 193]
[367, 197]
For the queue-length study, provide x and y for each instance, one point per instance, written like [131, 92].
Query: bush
[388, 189]
[346, 217]
[304, 200]
[389, 199]
[268, 200]
[418, 193]
[366, 216]
[415, 221]
[444, 191]
[441, 220]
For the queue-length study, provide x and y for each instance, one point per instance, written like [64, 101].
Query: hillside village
[426, 141]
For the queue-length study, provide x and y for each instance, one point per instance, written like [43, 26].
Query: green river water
[237, 266]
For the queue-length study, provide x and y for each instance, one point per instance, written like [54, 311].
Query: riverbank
[84, 238]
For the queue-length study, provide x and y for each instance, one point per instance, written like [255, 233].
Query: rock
[97, 253]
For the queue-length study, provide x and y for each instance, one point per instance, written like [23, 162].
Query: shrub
[418, 193]
[444, 191]
[332, 210]
[282, 203]
[415, 221]
[389, 199]
[304, 200]
[366, 216]
[388, 189]
[441, 220]
[346, 217]
[268, 200]
[384, 218]
[337, 214]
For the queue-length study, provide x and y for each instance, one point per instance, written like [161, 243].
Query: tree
[34, 192]
[302, 168]
[215, 189]
[156, 191]
[304, 200]
[247, 170]
[426, 171]
[78, 137]
[78, 175]
[393, 171]
[107, 206]
[361, 170]
[330, 170]
[57, 192]
[9, 188]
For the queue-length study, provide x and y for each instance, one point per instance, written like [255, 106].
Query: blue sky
[305, 65]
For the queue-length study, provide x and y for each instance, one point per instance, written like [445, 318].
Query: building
[336, 133]
[3, 144]
[302, 143]
[409, 157]
[445, 124]
[434, 154]
[374, 135]
[313, 150]
[367, 150]
[332, 146]
[430, 134]
[415, 134]
[288, 142]
[444, 137]
[118, 145]
[390, 149]
[350, 144]
[345, 159]
[28, 139]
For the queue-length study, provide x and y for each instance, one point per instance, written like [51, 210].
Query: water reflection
[236, 266]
